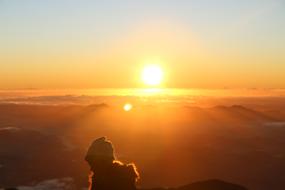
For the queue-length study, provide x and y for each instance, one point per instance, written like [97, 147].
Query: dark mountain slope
[213, 184]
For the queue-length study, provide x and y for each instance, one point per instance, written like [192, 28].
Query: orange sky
[81, 48]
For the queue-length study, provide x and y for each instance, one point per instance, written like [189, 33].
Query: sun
[152, 75]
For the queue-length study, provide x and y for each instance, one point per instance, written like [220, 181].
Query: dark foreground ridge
[213, 184]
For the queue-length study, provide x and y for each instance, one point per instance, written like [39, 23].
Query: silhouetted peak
[213, 184]
[236, 106]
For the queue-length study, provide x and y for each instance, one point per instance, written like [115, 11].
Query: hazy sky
[105, 43]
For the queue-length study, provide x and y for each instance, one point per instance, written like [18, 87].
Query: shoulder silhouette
[107, 173]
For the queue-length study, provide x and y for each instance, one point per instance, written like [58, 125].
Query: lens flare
[128, 107]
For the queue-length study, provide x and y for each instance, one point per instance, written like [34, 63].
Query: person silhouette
[107, 173]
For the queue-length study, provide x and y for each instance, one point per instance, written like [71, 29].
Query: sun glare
[152, 75]
[128, 107]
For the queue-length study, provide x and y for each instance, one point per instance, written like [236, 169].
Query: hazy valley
[171, 145]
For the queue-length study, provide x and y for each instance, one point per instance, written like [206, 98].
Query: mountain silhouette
[213, 184]
[242, 113]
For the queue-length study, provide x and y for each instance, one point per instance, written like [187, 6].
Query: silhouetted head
[100, 152]
[107, 172]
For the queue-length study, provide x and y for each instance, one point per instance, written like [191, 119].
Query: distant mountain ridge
[233, 113]
[213, 184]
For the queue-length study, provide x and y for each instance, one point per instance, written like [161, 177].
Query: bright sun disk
[152, 75]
